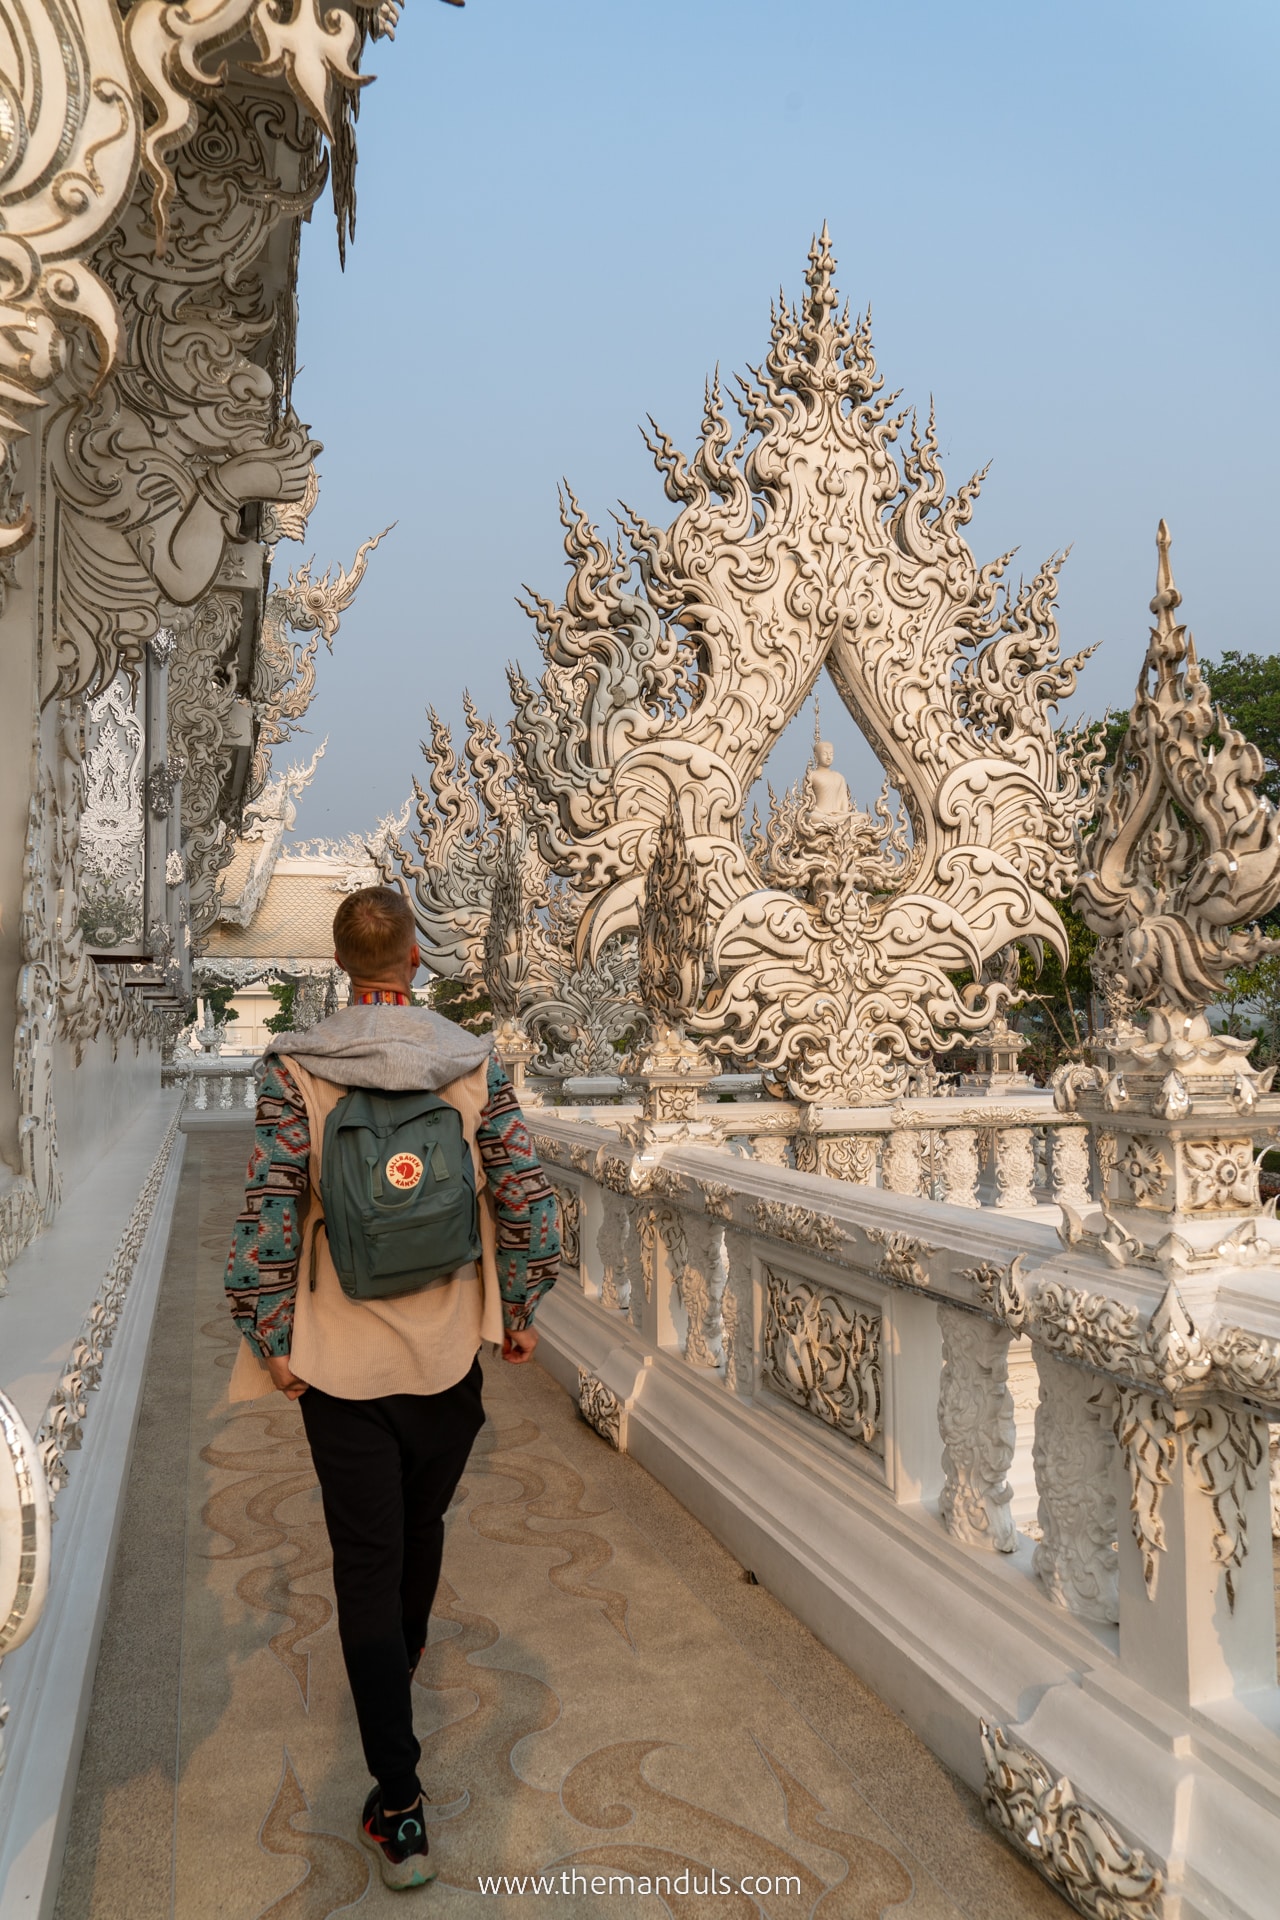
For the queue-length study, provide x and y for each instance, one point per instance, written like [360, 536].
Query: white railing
[1015, 1153]
[216, 1082]
[828, 1373]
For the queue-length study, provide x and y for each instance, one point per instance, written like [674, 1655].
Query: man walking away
[384, 1357]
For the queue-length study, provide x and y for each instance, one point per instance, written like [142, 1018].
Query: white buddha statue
[830, 790]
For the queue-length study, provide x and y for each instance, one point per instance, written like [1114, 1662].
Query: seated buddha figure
[831, 799]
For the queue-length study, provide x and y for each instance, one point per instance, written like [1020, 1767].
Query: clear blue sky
[1063, 215]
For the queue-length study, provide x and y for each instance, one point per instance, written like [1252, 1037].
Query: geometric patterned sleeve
[527, 1215]
[262, 1271]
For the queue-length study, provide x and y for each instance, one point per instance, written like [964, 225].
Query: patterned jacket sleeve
[527, 1215]
[262, 1271]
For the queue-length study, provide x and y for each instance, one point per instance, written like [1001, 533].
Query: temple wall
[97, 1100]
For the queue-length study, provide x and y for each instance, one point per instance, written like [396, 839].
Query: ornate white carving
[1075, 1556]
[1227, 1448]
[841, 1156]
[1147, 1428]
[1221, 1173]
[737, 1314]
[1071, 1166]
[959, 1166]
[317, 51]
[1015, 1167]
[70, 133]
[615, 1251]
[1185, 862]
[823, 1353]
[1002, 1291]
[569, 1204]
[601, 1408]
[904, 1160]
[800, 1225]
[1142, 1166]
[284, 673]
[1246, 1364]
[904, 1257]
[825, 981]
[1075, 1847]
[696, 1249]
[113, 821]
[976, 1424]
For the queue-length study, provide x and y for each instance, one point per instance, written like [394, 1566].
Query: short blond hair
[373, 930]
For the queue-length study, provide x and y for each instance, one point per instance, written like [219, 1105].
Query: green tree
[218, 1006]
[1247, 688]
[464, 1003]
[285, 994]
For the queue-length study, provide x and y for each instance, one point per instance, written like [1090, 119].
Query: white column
[1197, 1600]
[1075, 1462]
[913, 1359]
[975, 1421]
[1015, 1168]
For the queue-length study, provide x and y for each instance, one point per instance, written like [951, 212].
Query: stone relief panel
[113, 823]
[978, 1432]
[1075, 1557]
[823, 1353]
[1075, 1847]
[601, 1408]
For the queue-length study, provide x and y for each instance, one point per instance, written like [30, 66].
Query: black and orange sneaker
[400, 1842]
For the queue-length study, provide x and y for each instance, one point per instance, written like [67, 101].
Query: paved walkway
[604, 1693]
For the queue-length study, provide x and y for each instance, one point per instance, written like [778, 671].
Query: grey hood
[395, 1049]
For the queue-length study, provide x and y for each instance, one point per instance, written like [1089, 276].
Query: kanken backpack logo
[398, 1187]
[404, 1170]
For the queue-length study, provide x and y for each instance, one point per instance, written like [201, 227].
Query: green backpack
[398, 1187]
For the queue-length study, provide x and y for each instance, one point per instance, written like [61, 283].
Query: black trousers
[388, 1469]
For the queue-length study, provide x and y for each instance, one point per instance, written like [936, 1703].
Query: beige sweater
[360, 1349]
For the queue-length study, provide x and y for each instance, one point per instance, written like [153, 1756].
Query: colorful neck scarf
[379, 997]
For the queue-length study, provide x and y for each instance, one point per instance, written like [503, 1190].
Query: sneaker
[400, 1842]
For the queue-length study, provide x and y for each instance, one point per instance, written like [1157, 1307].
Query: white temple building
[889, 1517]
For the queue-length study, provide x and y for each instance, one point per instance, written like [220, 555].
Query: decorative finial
[817, 725]
[1167, 599]
[1185, 863]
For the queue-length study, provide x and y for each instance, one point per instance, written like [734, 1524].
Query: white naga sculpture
[828, 954]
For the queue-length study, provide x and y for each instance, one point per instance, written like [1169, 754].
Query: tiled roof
[294, 922]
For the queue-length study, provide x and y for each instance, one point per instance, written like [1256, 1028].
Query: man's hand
[284, 1377]
[518, 1347]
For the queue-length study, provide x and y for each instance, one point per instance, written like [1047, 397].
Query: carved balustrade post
[958, 1165]
[689, 1281]
[738, 1313]
[841, 1156]
[643, 1252]
[903, 1169]
[572, 1242]
[1070, 1167]
[912, 1341]
[615, 1255]
[1015, 1161]
[1197, 1596]
[1075, 1463]
[976, 1423]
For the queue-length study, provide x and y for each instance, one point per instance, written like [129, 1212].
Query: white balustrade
[217, 1083]
[773, 1331]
